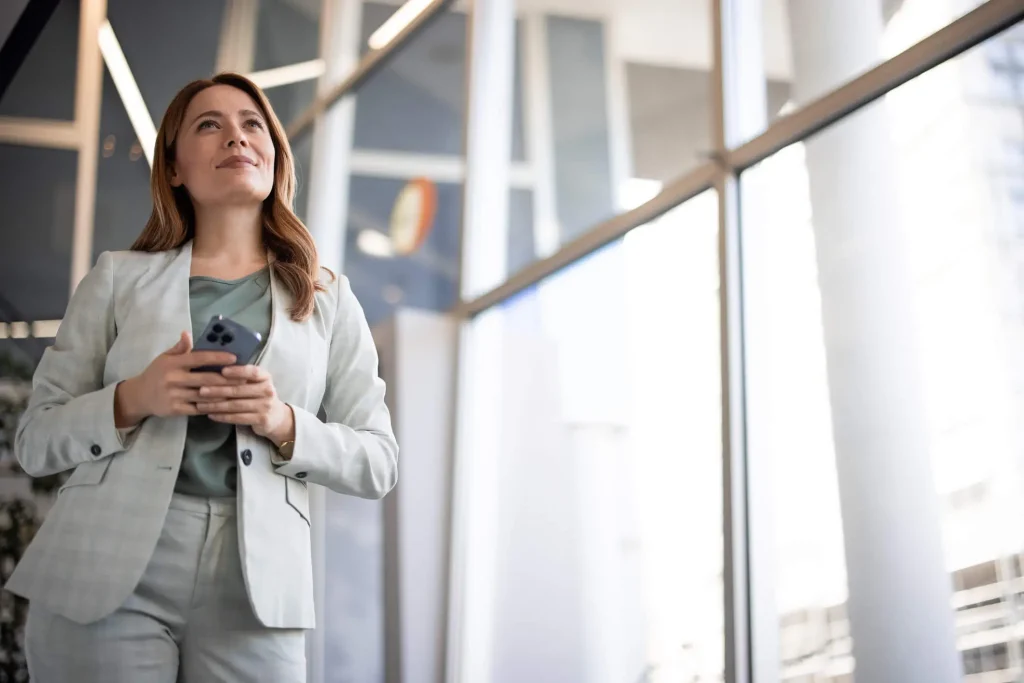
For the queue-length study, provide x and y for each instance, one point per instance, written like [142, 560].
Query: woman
[179, 549]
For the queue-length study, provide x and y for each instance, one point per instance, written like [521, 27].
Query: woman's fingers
[236, 418]
[257, 390]
[184, 408]
[184, 395]
[246, 373]
[201, 379]
[233, 406]
[198, 359]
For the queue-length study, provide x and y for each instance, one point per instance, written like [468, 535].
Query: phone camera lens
[226, 339]
[218, 328]
[211, 337]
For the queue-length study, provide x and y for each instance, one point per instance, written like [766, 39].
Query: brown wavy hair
[173, 221]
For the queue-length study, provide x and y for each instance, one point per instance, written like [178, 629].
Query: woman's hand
[249, 399]
[168, 386]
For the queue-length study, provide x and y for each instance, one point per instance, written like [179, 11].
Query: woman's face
[224, 153]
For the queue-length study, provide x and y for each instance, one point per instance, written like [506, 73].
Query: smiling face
[224, 154]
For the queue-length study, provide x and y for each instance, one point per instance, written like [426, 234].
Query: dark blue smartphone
[224, 334]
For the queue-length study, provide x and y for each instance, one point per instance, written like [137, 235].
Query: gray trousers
[189, 619]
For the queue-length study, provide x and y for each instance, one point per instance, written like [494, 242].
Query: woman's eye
[206, 124]
[255, 122]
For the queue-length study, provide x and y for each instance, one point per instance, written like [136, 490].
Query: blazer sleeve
[70, 415]
[354, 452]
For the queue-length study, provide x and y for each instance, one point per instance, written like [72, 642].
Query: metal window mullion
[88, 99]
[539, 134]
[735, 498]
[33, 132]
[735, 79]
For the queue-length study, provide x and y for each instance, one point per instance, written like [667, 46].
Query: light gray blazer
[96, 541]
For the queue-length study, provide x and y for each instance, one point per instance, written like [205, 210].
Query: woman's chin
[238, 196]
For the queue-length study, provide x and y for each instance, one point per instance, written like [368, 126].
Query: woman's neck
[228, 242]
[230, 236]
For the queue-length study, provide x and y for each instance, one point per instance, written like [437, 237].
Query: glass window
[38, 196]
[415, 103]
[884, 328]
[614, 96]
[123, 200]
[384, 273]
[810, 48]
[287, 33]
[151, 38]
[591, 430]
[44, 86]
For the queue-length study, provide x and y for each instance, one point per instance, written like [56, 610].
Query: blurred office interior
[703, 320]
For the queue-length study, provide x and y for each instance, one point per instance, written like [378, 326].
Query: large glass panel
[154, 36]
[809, 48]
[151, 36]
[590, 498]
[415, 102]
[614, 93]
[384, 275]
[884, 271]
[44, 86]
[288, 33]
[38, 196]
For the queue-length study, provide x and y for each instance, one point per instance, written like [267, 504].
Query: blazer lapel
[285, 355]
[276, 296]
[177, 297]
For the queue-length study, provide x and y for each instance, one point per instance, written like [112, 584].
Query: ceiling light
[128, 89]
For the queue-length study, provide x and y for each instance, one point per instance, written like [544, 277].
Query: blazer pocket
[297, 495]
[87, 474]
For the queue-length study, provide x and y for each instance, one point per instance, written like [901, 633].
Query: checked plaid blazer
[97, 540]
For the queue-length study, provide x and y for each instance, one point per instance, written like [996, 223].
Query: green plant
[12, 367]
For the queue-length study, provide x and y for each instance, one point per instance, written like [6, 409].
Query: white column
[491, 56]
[472, 569]
[340, 23]
[901, 619]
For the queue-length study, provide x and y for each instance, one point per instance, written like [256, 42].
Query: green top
[209, 465]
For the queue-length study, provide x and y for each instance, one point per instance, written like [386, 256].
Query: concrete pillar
[347, 533]
[901, 619]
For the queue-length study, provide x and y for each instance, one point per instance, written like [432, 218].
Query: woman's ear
[172, 173]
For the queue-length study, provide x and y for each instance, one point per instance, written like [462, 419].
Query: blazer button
[246, 457]
[300, 475]
[96, 450]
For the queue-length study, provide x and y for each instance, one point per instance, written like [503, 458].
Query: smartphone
[224, 334]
